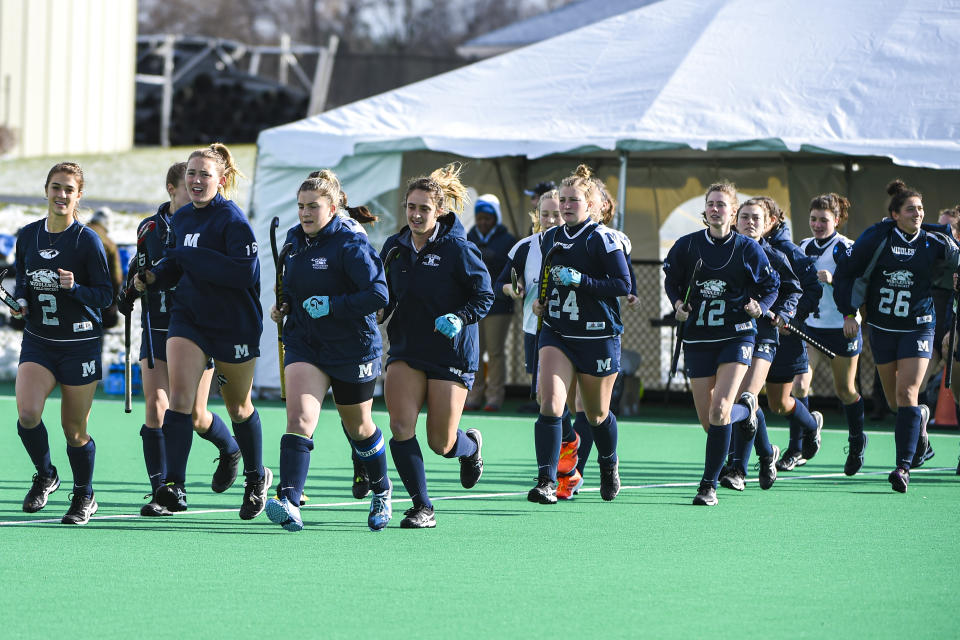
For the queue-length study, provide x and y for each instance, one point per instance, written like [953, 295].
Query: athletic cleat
[171, 496]
[568, 485]
[82, 507]
[924, 451]
[255, 495]
[854, 451]
[749, 426]
[791, 458]
[610, 481]
[226, 472]
[568, 457]
[811, 441]
[418, 517]
[471, 467]
[734, 479]
[706, 495]
[304, 498]
[544, 493]
[153, 508]
[361, 481]
[768, 469]
[40, 490]
[899, 479]
[285, 514]
[381, 509]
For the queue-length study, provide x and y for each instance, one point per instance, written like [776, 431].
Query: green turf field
[819, 555]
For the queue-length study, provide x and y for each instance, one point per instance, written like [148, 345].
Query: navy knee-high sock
[854, 412]
[805, 401]
[408, 459]
[800, 422]
[582, 426]
[220, 436]
[718, 443]
[249, 437]
[761, 441]
[567, 432]
[739, 412]
[741, 446]
[294, 464]
[38, 448]
[373, 455]
[906, 433]
[154, 455]
[463, 446]
[81, 462]
[546, 441]
[605, 436]
[177, 438]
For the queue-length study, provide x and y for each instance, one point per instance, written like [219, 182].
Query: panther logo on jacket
[711, 289]
[901, 279]
[44, 280]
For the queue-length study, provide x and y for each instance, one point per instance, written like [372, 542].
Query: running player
[62, 284]
[734, 285]
[216, 313]
[580, 338]
[156, 381]
[791, 358]
[897, 261]
[754, 218]
[333, 285]
[825, 324]
[439, 290]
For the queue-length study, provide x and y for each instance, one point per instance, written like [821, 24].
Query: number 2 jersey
[591, 309]
[899, 296]
[734, 269]
[56, 314]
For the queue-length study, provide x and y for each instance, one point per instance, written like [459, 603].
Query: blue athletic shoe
[284, 514]
[381, 509]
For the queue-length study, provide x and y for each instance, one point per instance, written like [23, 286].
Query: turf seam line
[664, 485]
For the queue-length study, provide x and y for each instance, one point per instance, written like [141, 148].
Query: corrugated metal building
[67, 75]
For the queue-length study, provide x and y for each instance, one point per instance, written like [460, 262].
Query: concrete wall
[67, 75]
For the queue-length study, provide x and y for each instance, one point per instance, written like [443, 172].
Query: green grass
[818, 555]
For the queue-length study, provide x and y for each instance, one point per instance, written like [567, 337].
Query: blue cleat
[381, 510]
[283, 513]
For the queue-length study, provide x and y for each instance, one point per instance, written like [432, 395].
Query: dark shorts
[437, 372]
[700, 360]
[529, 350]
[71, 363]
[791, 360]
[598, 357]
[834, 340]
[890, 346]
[159, 346]
[765, 351]
[216, 347]
[351, 383]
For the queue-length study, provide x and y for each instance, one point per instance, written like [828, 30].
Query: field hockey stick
[281, 259]
[951, 340]
[806, 338]
[127, 366]
[514, 280]
[7, 298]
[542, 300]
[390, 257]
[675, 360]
[143, 261]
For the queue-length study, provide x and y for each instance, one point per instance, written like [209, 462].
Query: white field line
[473, 496]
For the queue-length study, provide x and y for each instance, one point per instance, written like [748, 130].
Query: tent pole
[622, 190]
[503, 189]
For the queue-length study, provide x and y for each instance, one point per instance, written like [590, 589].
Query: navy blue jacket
[805, 269]
[446, 276]
[53, 313]
[494, 252]
[215, 266]
[156, 243]
[342, 265]
[788, 295]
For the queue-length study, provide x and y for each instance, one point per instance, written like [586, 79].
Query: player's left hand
[753, 309]
[632, 300]
[317, 306]
[66, 279]
[449, 325]
[568, 277]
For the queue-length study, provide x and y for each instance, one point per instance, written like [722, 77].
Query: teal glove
[568, 276]
[449, 325]
[317, 306]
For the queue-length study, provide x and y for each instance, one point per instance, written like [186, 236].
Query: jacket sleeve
[804, 269]
[766, 281]
[475, 277]
[384, 252]
[366, 273]
[615, 283]
[852, 263]
[675, 272]
[788, 293]
[98, 293]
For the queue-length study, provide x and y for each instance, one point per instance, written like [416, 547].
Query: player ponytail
[582, 179]
[444, 186]
[220, 154]
[899, 192]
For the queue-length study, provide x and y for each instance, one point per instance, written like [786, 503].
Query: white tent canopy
[863, 78]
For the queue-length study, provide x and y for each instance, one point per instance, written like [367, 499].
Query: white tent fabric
[862, 77]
